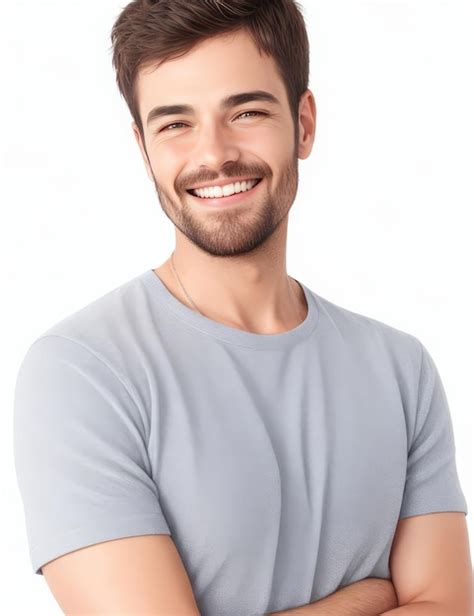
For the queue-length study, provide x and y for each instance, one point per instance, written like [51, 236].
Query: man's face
[211, 144]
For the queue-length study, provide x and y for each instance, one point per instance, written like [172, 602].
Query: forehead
[212, 70]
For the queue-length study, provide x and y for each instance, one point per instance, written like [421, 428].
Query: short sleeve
[80, 453]
[432, 482]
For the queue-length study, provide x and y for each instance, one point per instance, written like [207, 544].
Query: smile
[216, 195]
[223, 191]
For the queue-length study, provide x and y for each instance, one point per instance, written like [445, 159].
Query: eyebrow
[227, 103]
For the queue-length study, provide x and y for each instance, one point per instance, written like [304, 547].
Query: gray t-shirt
[279, 464]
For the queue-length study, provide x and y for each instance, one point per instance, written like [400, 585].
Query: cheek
[169, 150]
[167, 162]
[270, 143]
[281, 141]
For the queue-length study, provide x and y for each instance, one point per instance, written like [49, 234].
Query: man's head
[200, 54]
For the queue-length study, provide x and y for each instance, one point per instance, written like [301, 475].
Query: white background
[381, 224]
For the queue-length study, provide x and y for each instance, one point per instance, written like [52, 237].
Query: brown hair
[149, 32]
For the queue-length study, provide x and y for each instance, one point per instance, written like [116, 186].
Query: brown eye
[173, 124]
[254, 112]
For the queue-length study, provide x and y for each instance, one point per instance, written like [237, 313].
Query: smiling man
[213, 437]
[221, 150]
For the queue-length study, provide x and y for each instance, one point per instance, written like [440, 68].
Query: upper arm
[130, 575]
[430, 560]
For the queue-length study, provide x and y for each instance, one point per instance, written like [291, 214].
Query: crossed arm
[368, 597]
[431, 573]
[430, 568]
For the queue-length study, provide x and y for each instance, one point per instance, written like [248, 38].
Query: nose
[214, 147]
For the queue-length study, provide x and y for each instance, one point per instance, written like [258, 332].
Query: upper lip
[222, 182]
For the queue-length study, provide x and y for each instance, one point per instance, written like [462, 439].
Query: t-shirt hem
[97, 532]
[422, 510]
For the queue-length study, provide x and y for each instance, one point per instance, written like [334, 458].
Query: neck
[254, 295]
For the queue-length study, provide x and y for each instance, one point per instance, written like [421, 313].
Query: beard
[239, 229]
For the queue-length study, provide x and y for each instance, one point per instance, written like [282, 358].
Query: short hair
[150, 32]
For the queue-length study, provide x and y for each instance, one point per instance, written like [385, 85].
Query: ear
[141, 145]
[307, 124]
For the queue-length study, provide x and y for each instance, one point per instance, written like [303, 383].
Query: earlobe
[141, 146]
[307, 124]
[136, 132]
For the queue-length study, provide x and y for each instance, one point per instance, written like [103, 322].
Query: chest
[260, 472]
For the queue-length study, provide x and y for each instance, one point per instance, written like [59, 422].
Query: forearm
[368, 597]
[425, 608]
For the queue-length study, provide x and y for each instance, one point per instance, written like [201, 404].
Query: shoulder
[105, 315]
[369, 333]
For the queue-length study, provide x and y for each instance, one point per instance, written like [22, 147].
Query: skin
[231, 260]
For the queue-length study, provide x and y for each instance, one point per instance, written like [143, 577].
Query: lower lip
[224, 201]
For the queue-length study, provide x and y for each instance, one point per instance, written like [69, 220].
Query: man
[213, 437]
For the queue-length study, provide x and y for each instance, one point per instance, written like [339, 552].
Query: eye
[254, 112]
[168, 126]
[173, 124]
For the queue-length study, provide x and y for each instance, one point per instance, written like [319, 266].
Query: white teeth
[224, 191]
